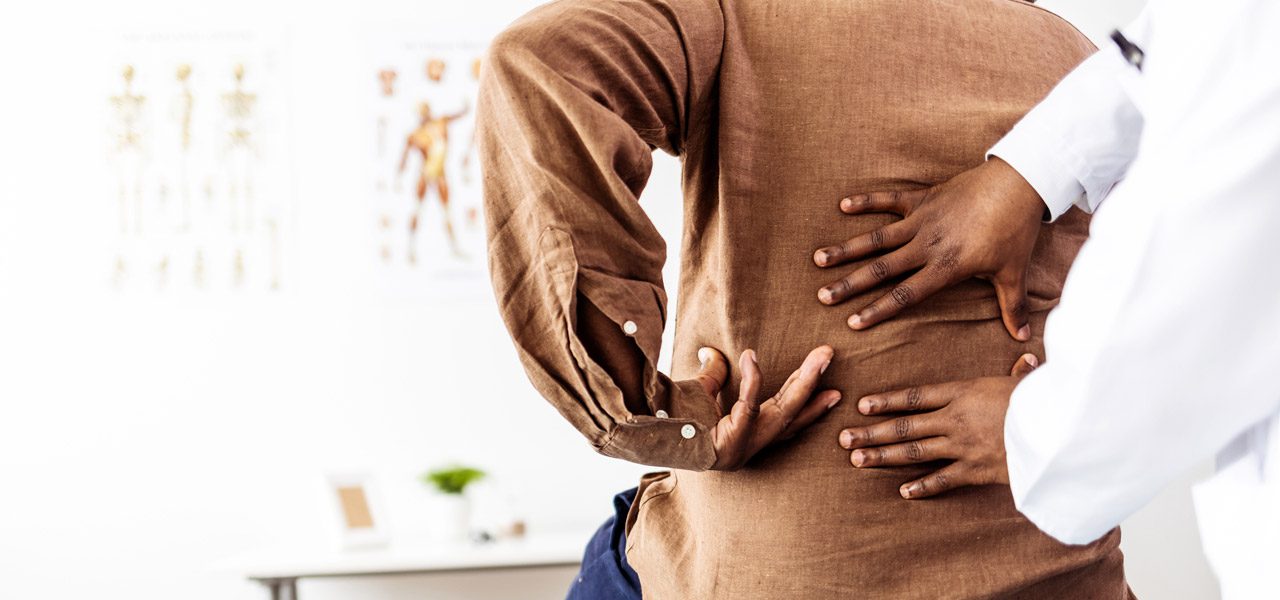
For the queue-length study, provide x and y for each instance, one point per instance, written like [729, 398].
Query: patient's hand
[752, 424]
[982, 223]
[961, 421]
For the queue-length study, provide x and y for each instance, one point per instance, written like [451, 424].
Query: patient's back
[816, 100]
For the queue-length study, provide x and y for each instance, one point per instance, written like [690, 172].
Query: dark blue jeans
[605, 574]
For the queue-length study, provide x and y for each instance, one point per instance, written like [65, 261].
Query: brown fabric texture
[777, 108]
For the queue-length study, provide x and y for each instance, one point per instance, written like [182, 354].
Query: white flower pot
[452, 517]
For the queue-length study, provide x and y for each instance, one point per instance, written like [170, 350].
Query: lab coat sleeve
[1079, 141]
[1166, 342]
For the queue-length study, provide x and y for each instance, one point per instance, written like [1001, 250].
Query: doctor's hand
[753, 423]
[961, 421]
[982, 223]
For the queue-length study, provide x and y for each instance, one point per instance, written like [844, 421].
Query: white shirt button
[662, 414]
[688, 431]
[629, 328]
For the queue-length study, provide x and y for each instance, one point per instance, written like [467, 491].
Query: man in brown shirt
[777, 110]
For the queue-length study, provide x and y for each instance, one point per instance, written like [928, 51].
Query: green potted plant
[450, 484]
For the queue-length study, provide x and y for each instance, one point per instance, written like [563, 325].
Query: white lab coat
[1165, 348]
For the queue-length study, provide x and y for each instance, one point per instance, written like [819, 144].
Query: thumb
[1025, 365]
[1011, 293]
[713, 372]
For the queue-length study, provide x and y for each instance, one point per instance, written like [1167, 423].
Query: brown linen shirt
[777, 109]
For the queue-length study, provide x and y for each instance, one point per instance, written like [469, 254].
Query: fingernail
[820, 258]
[847, 203]
[858, 458]
[704, 355]
[824, 296]
[1024, 334]
[906, 491]
[834, 401]
[865, 406]
[752, 353]
[824, 367]
[1031, 360]
[855, 321]
[846, 439]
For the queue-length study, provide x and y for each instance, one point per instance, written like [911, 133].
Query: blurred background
[216, 318]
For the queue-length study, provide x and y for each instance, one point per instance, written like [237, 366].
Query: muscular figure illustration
[384, 198]
[431, 140]
[435, 70]
[387, 85]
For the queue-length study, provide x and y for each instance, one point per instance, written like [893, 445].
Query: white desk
[280, 569]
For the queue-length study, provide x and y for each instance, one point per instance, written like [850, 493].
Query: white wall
[143, 437]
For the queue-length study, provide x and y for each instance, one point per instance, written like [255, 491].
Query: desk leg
[282, 588]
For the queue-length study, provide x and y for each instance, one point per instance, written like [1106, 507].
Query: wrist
[1017, 191]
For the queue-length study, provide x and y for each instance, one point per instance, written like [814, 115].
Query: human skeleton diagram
[128, 152]
[198, 171]
[431, 140]
[241, 150]
[183, 107]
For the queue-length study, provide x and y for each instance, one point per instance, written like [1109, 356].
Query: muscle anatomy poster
[424, 195]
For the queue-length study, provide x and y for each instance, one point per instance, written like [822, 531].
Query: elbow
[561, 35]
[523, 40]
[514, 66]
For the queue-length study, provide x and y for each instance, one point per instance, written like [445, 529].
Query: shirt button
[629, 328]
[662, 414]
[688, 431]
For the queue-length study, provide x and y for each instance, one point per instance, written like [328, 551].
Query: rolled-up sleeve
[574, 99]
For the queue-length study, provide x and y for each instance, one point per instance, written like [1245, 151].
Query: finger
[713, 372]
[820, 405]
[749, 391]
[904, 295]
[909, 453]
[733, 434]
[912, 399]
[950, 477]
[894, 202]
[870, 275]
[1011, 293]
[892, 431]
[1026, 364]
[890, 236]
[800, 391]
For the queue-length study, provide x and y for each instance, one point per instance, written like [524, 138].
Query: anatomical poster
[199, 178]
[424, 195]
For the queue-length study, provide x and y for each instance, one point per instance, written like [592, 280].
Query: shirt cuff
[1025, 149]
[677, 438]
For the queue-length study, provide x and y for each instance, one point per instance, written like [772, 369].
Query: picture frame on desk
[358, 510]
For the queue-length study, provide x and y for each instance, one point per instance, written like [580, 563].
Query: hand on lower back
[982, 223]
[753, 423]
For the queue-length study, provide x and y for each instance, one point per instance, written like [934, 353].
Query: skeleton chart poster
[424, 195]
[197, 149]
